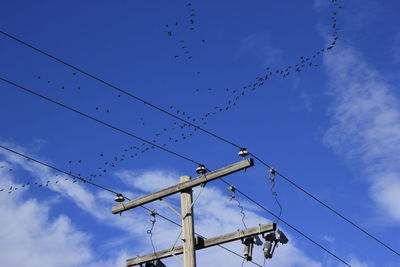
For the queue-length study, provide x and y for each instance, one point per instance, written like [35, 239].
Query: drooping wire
[274, 194]
[153, 221]
[326, 206]
[233, 197]
[179, 225]
[289, 225]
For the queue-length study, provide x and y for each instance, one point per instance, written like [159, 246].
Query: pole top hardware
[119, 198]
[201, 169]
[243, 152]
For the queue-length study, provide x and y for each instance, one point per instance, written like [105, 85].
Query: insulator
[243, 152]
[119, 198]
[201, 169]
[272, 171]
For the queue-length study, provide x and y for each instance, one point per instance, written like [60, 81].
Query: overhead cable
[106, 189]
[97, 120]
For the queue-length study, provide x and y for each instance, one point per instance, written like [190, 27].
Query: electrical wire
[233, 197]
[183, 120]
[97, 120]
[274, 193]
[199, 128]
[203, 185]
[58, 170]
[147, 141]
[223, 180]
[327, 206]
[106, 189]
[125, 132]
[150, 231]
[289, 225]
[259, 79]
[117, 88]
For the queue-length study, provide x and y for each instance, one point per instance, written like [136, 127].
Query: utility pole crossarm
[185, 185]
[200, 243]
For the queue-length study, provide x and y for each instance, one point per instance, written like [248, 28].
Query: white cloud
[357, 263]
[366, 124]
[149, 181]
[30, 238]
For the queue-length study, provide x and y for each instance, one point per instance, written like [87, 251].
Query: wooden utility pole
[190, 243]
[189, 250]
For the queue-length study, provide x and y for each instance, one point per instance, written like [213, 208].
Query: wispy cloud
[366, 124]
[259, 45]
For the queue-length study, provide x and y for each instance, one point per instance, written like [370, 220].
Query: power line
[193, 161]
[303, 60]
[327, 206]
[112, 191]
[59, 170]
[117, 88]
[97, 120]
[188, 122]
[106, 189]
[183, 120]
[291, 226]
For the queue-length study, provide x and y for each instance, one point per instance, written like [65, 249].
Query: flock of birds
[189, 24]
[179, 132]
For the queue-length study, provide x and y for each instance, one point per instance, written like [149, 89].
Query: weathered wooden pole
[189, 243]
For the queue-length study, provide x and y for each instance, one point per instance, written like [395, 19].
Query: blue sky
[333, 128]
